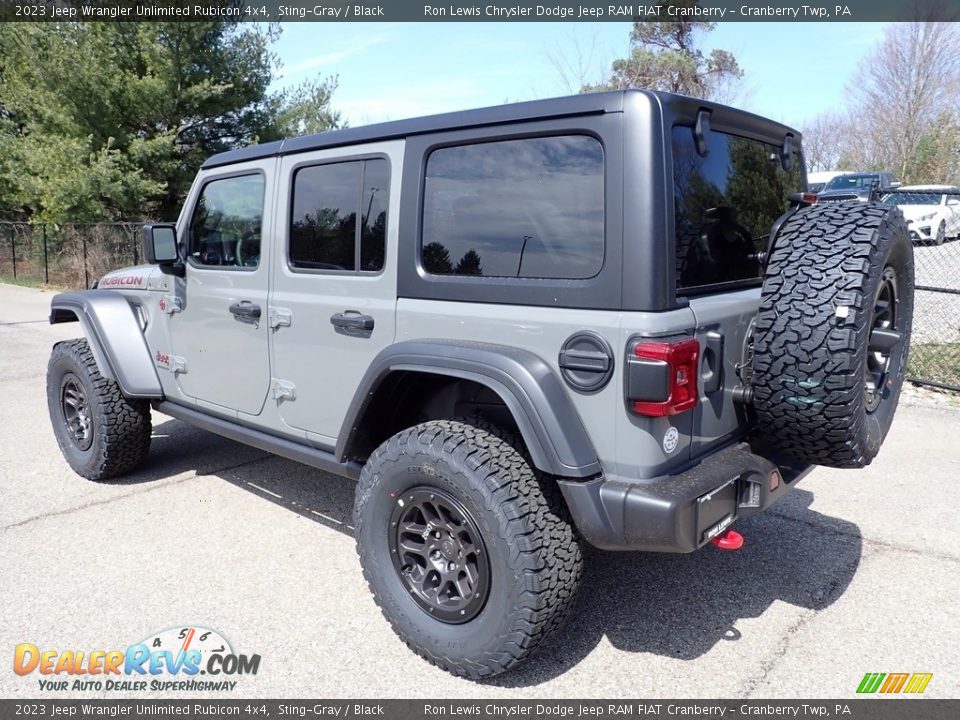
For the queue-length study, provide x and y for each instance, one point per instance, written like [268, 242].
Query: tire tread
[531, 514]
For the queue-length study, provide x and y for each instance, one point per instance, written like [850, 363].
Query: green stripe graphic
[871, 682]
[876, 684]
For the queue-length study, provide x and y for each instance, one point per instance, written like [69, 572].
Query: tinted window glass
[373, 203]
[528, 208]
[226, 223]
[852, 182]
[324, 226]
[725, 204]
[327, 200]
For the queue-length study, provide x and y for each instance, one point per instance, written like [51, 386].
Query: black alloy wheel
[885, 339]
[76, 412]
[439, 553]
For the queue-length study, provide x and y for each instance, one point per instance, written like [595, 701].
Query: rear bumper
[678, 513]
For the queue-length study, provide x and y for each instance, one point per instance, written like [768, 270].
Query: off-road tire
[816, 315]
[120, 425]
[533, 549]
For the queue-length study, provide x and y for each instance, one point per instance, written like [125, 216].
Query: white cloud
[414, 100]
[329, 58]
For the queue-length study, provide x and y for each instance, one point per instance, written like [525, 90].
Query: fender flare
[551, 428]
[115, 338]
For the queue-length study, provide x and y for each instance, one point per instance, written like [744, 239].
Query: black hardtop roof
[585, 104]
[537, 109]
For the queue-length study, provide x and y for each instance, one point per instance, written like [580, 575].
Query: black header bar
[477, 10]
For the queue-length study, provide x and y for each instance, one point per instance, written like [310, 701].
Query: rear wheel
[832, 332]
[101, 433]
[469, 552]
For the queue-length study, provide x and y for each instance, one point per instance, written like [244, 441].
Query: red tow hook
[728, 540]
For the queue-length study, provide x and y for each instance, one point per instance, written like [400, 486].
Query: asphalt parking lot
[853, 572]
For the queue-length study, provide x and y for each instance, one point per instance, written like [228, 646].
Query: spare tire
[832, 333]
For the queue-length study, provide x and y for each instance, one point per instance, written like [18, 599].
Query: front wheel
[941, 234]
[101, 433]
[469, 553]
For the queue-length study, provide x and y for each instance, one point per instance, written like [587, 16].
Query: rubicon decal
[894, 683]
[177, 659]
[132, 281]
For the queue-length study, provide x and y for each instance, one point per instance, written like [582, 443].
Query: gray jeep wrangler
[613, 318]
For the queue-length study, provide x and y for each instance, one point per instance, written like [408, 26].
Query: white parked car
[932, 211]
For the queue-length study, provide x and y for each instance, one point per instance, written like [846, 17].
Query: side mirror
[953, 201]
[894, 185]
[160, 247]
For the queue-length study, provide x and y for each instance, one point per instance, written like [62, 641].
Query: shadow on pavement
[677, 606]
[681, 606]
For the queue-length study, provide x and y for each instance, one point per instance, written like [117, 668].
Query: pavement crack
[881, 544]
[767, 667]
[807, 615]
[25, 322]
[134, 493]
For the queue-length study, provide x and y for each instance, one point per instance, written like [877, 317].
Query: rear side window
[527, 208]
[725, 204]
[339, 216]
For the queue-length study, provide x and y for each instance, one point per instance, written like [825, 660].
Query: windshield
[912, 198]
[815, 187]
[852, 182]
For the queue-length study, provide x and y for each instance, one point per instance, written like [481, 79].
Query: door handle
[245, 311]
[352, 322]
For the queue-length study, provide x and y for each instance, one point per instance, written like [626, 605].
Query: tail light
[662, 377]
[803, 199]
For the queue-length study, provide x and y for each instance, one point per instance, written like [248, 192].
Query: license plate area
[716, 510]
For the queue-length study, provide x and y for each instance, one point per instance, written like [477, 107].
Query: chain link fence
[70, 255]
[74, 255]
[935, 348]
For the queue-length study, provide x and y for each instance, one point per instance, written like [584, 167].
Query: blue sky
[390, 71]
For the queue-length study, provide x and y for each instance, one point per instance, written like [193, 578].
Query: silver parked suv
[613, 318]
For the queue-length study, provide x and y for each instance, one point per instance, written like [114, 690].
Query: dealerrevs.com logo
[184, 658]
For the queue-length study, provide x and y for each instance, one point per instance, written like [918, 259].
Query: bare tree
[578, 62]
[903, 93]
[824, 141]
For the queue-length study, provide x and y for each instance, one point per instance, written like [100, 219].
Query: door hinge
[284, 390]
[280, 317]
[170, 304]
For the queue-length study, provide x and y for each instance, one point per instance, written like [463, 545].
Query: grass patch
[27, 282]
[939, 362]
